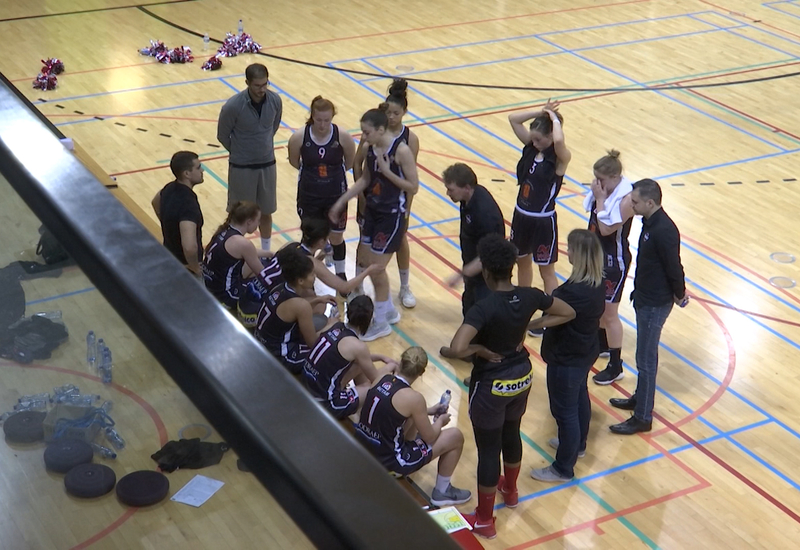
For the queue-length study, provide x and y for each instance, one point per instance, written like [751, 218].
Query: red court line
[745, 16]
[106, 116]
[742, 266]
[746, 115]
[745, 312]
[448, 25]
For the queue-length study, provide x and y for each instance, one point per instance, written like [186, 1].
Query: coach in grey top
[247, 124]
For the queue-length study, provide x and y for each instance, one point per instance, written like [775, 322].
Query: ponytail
[239, 213]
[319, 103]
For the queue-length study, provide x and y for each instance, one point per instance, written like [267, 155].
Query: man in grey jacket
[246, 128]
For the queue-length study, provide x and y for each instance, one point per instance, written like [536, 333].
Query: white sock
[403, 277]
[265, 243]
[382, 309]
[339, 265]
[442, 483]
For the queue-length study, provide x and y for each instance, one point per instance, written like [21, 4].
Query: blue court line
[729, 163]
[755, 41]
[148, 111]
[771, 5]
[59, 296]
[228, 84]
[761, 30]
[429, 224]
[666, 96]
[127, 90]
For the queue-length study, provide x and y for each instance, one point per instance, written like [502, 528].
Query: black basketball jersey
[383, 195]
[222, 272]
[380, 423]
[538, 183]
[322, 172]
[616, 250]
[325, 366]
[272, 331]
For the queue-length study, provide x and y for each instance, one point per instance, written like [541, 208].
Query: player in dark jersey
[339, 357]
[256, 289]
[494, 332]
[285, 323]
[323, 153]
[397, 107]
[540, 172]
[389, 179]
[394, 426]
[230, 257]
[610, 217]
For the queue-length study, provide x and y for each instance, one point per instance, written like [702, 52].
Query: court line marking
[95, 10]
[59, 296]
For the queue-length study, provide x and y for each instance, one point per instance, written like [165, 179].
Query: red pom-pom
[52, 66]
[236, 44]
[212, 64]
[45, 82]
[182, 54]
[156, 47]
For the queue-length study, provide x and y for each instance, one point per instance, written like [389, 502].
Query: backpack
[49, 248]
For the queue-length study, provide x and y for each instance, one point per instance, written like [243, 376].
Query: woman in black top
[494, 330]
[570, 350]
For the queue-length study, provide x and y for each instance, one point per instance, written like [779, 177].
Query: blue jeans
[570, 406]
[649, 322]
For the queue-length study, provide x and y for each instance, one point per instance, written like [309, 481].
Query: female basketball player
[540, 172]
[230, 257]
[339, 357]
[397, 101]
[389, 179]
[494, 330]
[285, 323]
[323, 153]
[570, 350]
[611, 214]
[395, 428]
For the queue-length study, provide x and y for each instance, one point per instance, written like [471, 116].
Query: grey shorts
[256, 185]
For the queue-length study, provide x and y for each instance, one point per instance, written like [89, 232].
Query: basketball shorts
[499, 398]
[536, 236]
[410, 458]
[295, 356]
[311, 210]
[383, 232]
[614, 280]
[256, 185]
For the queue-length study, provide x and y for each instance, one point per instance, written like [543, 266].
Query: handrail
[337, 494]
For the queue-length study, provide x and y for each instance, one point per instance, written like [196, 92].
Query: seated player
[256, 289]
[395, 428]
[339, 357]
[285, 324]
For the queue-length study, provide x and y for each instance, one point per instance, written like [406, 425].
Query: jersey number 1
[375, 402]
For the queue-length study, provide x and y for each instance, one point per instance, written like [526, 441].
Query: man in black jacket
[659, 283]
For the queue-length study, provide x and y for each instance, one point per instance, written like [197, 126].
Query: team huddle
[274, 296]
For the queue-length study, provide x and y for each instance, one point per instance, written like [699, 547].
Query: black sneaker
[609, 375]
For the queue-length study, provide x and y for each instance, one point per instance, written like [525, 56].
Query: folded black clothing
[190, 454]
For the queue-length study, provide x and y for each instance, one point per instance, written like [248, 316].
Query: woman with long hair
[230, 257]
[570, 350]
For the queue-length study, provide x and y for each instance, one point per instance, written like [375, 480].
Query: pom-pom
[52, 66]
[45, 82]
[235, 44]
[212, 64]
[182, 54]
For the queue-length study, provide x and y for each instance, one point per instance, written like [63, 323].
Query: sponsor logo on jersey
[646, 236]
[469, 218]
[510, 388]
[335, 332]
[387, 386]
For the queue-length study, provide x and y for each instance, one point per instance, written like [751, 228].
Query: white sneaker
[393, 317]
[376, 331]
[407, 297]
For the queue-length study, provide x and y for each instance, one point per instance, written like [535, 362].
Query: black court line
[708, 183]
[789, 179]
[734, 183]
[762, 181]
[78, 12]
[677, 185]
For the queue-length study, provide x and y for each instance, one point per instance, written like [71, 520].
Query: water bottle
[101, 345]
[114, 438]
[241, 27]
[32, 405]
[105, 366]
[45, 396]
[105, 452]
[328, 255]
[91, 349]
[80, 400]
[107, 406]
[51, 315]
[444, 404]
[206, 40]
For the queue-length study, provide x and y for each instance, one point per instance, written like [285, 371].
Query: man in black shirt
[178, 210]
[480, 216]
[659, 283]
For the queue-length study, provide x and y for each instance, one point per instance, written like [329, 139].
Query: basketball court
[717, 471]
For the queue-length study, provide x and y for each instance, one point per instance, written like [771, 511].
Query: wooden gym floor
[718, 469]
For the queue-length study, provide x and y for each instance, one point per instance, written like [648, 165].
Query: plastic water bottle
[241, 27]
[328, 255]
[51, 315]
[105, 452]
[113, 437]
[80, 400]
[444, 404]
[101, 345]
[32, 405]
[91, 349]
[107, 406]
[106, 366]
[206, 41]
[45, 396]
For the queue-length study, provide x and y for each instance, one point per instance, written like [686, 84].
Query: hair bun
[613, 153]
[398, 87]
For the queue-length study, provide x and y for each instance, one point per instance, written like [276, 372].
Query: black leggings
[490, 444]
